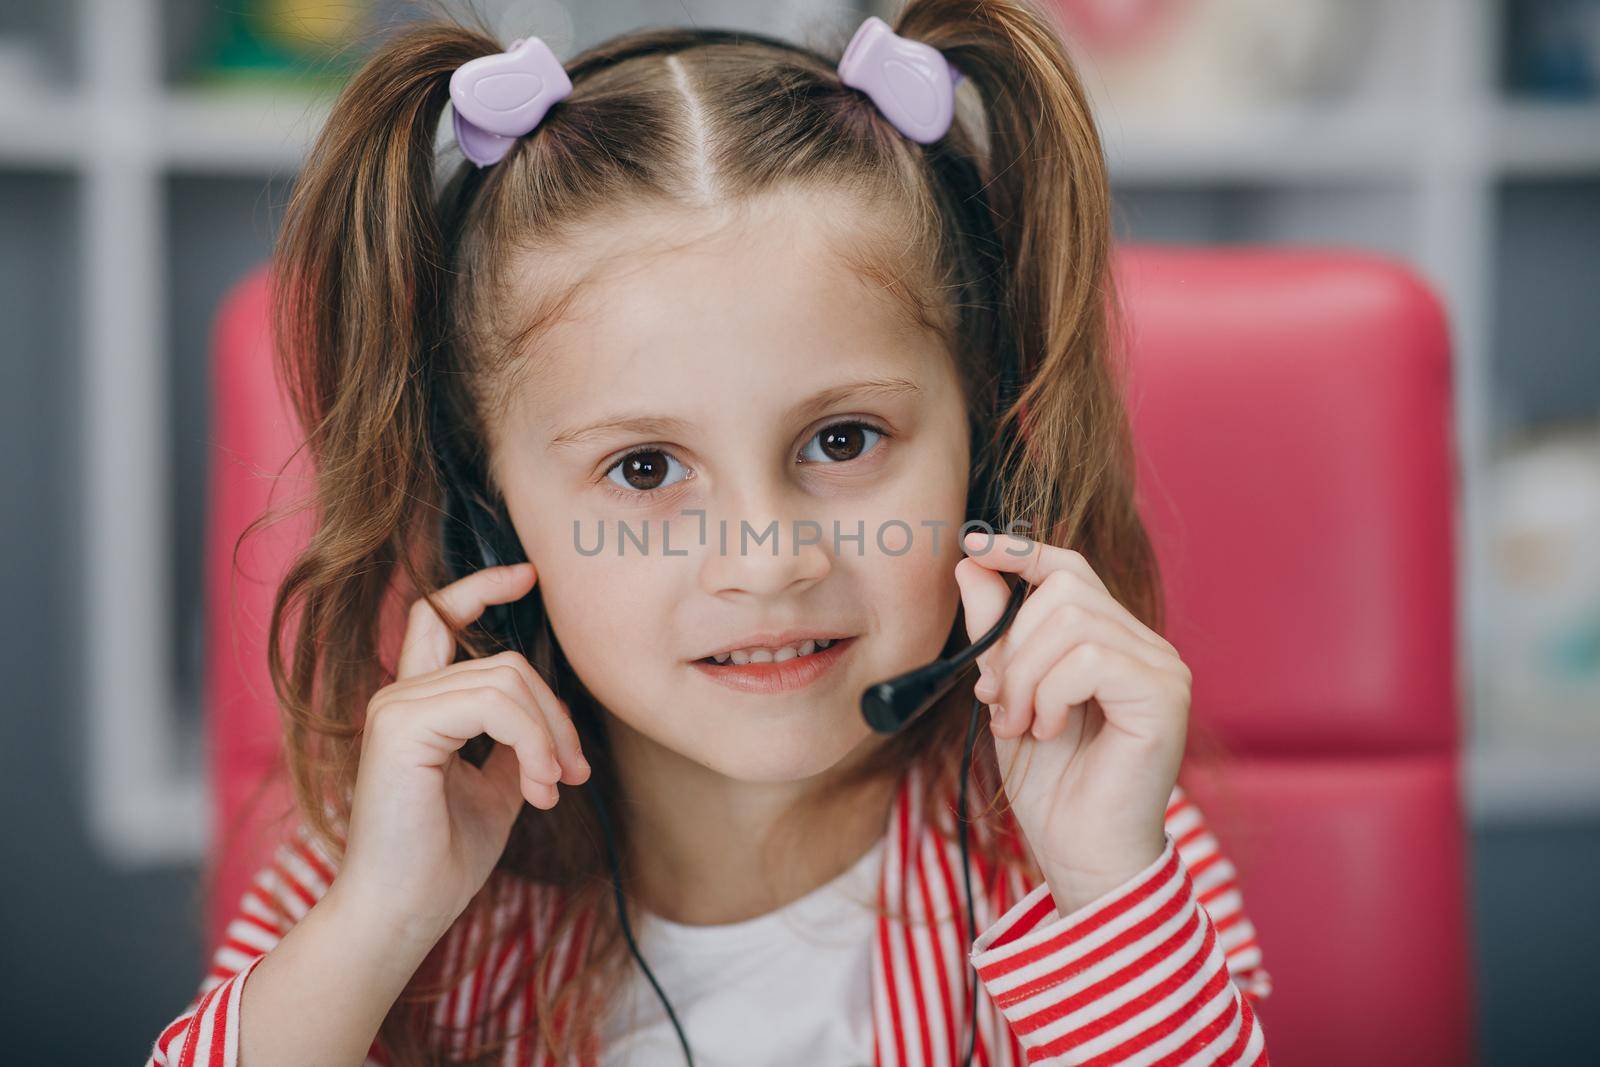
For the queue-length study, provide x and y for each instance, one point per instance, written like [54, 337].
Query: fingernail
[997, 713]
[985, 689]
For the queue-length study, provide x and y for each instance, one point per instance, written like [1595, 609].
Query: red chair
[1293, 415]
[254, 432]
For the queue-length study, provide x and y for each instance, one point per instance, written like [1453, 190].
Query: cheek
[581, 593]
[921, 594]
[912, 574]
[607, 615]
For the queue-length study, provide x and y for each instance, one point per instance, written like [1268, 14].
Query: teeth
[742, 656]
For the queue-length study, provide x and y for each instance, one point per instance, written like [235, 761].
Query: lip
[796, 673]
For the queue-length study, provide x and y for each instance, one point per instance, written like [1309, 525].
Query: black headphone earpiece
[475, 535]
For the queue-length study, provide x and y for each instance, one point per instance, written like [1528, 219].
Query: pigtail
[1046, 183]
[358, 285]
[356, 288]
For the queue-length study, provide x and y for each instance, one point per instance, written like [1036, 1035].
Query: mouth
[769, 670]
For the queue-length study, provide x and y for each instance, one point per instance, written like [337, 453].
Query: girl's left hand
[1099, 701]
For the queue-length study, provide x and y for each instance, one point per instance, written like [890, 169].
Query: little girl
[713, 324]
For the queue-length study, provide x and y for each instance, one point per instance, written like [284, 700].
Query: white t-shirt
[792, 986]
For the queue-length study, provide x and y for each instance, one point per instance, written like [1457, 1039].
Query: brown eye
[842, 442]
[642, 471]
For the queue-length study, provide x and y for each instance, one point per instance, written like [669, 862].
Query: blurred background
[147, 148]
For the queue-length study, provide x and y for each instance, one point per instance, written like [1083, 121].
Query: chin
[787, 751]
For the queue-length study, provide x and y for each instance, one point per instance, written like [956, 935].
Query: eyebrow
[662, 426]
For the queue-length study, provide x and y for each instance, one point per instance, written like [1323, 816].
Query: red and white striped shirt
[1163, 970]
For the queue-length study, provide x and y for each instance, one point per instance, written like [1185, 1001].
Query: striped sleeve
[280, 895]
[1163, 970]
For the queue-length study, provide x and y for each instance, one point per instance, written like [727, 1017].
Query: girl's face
[737, 367]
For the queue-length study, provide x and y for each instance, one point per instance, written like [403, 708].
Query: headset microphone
[888, 706]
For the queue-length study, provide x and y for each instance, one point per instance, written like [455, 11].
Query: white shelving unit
[1432, 158]
[121, 136]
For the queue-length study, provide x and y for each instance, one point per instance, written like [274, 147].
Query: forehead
[657, 302]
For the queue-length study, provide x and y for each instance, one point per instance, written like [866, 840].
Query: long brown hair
[390, 290]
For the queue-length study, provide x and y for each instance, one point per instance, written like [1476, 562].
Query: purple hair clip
[911, 82]
[498, 98]
[501, 97]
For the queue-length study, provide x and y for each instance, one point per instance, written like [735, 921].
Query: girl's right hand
[426, 826]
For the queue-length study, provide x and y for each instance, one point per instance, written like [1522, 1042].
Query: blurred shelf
[1285, 143]
[254, 132]
[1534, 783]
[1300, 142]
[1546, 138]
[247, 132]
[41, 128]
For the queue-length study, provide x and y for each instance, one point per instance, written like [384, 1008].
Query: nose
[768, 548]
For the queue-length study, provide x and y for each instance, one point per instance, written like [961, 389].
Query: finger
[1068, 627]
[556, 716]
[564, 732]
[1033, 560]
[1044, 566]
[428, 644]
[984, 595]
[504, 771]
[1089, 670]
[430, 732]
[504, 676]
[511, 672]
